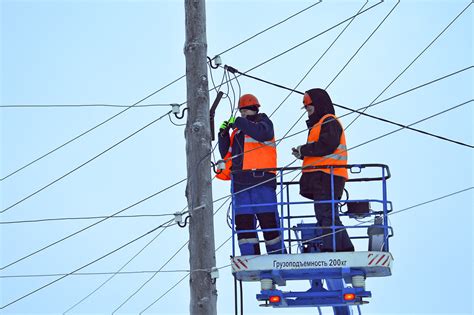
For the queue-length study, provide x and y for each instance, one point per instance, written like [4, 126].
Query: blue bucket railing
[284, 204]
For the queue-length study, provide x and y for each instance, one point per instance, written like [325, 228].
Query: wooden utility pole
[198, 148]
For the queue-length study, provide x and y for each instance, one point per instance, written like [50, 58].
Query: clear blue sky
[117, 52]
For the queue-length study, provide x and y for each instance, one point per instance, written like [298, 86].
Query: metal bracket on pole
[212, 112]
[214, 274]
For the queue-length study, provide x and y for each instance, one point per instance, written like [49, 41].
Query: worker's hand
[231, 121]
[297, 152]
[224, 125]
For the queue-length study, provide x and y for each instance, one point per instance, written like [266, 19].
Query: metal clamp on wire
[231, 69]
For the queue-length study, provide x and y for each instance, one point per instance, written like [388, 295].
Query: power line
[270, 27]
[365, 114]
[92, 225]
[105, 273]
[411, 63]
[149, 279]
[164, 294]
[354, 147]
[81, 105]
[85, 163]
[368, 221]
[118, 271]
[313, 37]
[233, 70]
[86, 265]
[430, 201]
[214, 202]
[317, 61]
[343, 68]
[365, 42]
[423, 132]
[173, 286]
[89, 130]
[293, 90]
[422, 85]
[89, 226]
[88, 218]
[288, 50]
[146, 97]
[163, 266]
[392, 213]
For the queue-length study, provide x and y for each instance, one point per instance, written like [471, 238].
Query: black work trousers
[320, 188]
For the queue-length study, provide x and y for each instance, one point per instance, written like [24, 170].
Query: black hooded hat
[322, 104]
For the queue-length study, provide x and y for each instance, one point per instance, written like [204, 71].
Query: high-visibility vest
[338, 157]
[256, 155]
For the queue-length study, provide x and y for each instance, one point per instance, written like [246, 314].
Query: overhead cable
[89, 130]
[148, 96]
[365, 42]
[312, 37]
[411, 63]
[361, 112]
[317, 61]
[105, 218]
[173, 286]
[80, 105]
[98, 273]
[44, 187]
[392, 213]
[91, 225]
[161, 268]
[270, 27]
[85, 163]
[118, 271]
[87, 218]
[84, 266]
[222, 198]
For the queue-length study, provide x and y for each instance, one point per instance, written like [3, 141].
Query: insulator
[175, 108]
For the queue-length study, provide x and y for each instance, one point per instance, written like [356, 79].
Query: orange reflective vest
[257, 155]
[338, 157]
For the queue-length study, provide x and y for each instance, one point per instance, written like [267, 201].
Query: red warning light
[275, 299]
[349, 296]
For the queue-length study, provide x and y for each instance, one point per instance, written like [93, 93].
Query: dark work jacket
[313, 184]
[260, 128]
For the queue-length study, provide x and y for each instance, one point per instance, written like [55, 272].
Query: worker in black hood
[326, 145]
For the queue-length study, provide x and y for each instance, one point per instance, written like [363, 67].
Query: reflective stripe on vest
[338, 157]
[257, 155]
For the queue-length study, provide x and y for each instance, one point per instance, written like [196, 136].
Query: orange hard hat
[247, 100]
[307, 100]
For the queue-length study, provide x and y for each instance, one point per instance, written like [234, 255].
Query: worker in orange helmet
[251, 147]
[326, 145]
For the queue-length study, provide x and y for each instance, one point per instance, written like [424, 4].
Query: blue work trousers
[248, 207]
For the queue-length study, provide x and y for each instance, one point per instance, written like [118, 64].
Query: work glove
[231, 121]
[297, 152]
[224, 126]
